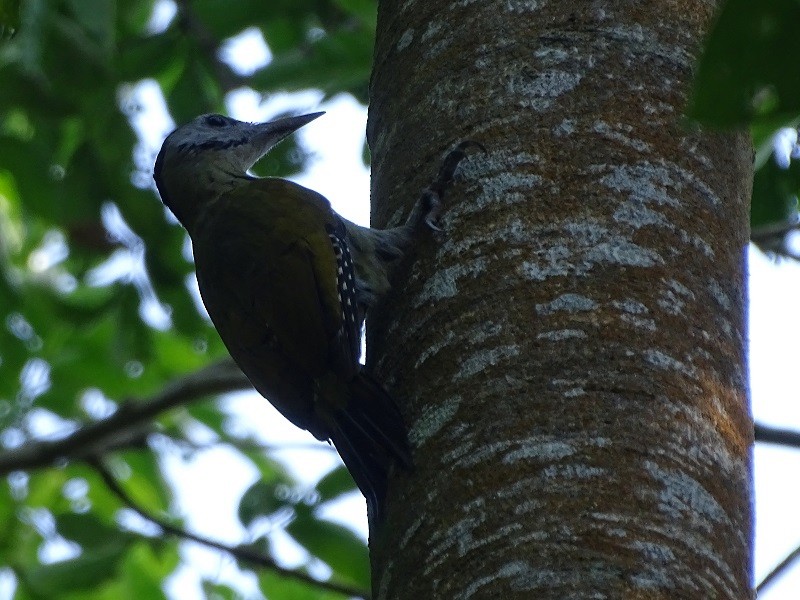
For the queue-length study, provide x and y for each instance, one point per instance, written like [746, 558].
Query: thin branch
[130, 423]
[765, 233]
[783, 437]
[241, 553]
[774, 435]
[779, 570]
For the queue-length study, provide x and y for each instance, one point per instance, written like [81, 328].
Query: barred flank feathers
[346, 288]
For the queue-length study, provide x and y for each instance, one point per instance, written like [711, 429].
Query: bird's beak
[265, 136]
[274, 131]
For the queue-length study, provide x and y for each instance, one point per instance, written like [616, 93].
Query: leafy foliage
[9, 17]
[743, 79]
[96, 307]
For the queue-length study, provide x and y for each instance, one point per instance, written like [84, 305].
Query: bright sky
[337, 173]
[774, 331]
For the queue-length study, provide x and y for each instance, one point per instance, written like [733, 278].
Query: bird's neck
[192, 192]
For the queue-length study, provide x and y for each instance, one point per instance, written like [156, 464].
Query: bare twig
[774, 435]
[783, 437]
[241, 553]
[128, 424]
[779, 570]
[771, 231]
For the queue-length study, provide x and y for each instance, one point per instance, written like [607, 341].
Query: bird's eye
[216, 121]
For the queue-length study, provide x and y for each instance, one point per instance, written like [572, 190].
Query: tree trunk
[570, 353]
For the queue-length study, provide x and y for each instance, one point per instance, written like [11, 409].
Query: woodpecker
[287, 283]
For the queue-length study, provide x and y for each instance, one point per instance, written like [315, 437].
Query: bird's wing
[272, 270]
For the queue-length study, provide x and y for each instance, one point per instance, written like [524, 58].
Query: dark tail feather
[371, 436]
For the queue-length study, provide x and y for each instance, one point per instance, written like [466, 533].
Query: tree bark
[570, 354]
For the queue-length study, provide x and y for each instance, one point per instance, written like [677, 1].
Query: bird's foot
[432, 206]
[432, 196]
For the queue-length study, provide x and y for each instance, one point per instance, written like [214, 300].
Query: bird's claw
[450, 163]
[434, 194]
[432, 209]
[429, 205]
[433, 225]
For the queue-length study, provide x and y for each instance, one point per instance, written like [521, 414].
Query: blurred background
[174, 480]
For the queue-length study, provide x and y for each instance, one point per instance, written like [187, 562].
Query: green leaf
[284, 34]
[90, 569]
[337, 62]
[265, 498]
[335, 545]
[105, 505]
[195, 92]
[276, 587]
[225, 19]
[74, 59]
[9, 17]
[209, 414]
[146, 484]
[365, 10]
[216, 591]
[134, 16]
[746, 72]
[45, 489]
[775, 193]
[89, 531]
[176, 353]
[9, 523]
[269, 468]
[97, 17]
[152, 56]
[335, 483]
[26, 170]
[144, 570]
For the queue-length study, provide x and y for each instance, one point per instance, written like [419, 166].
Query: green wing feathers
[267, 270]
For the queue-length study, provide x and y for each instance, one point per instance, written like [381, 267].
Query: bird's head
[206, 156]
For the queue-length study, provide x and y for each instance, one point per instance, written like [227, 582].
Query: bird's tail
[370, 435]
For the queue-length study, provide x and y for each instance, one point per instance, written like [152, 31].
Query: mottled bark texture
[570, 353]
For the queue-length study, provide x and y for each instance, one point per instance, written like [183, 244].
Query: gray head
[206, 156]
